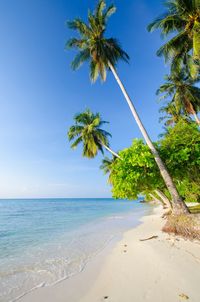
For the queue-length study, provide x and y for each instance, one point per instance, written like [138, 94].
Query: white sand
[165, 269]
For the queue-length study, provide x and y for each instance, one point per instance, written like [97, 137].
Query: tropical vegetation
[181, 23]
[181, 92]
[103, 54]
[87, 130]
[137, 173]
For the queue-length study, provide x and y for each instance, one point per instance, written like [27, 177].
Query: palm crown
[182, 17]
[92, 45]
[107, 166]
[87, 130]
[174, 114]
[185, 96]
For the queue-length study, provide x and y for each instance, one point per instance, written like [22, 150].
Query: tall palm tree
[103, 54]
[183, 93]
[87, 130]
[183, 18]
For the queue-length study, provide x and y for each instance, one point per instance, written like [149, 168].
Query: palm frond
[105, 133]
[77, 24]
[74, 131]
[80, 58]
[76, 142]
[167, 23]
[109, 12]
[94, 71]
[106, 165]
[99, 9]
[76, 43]
[174, 46]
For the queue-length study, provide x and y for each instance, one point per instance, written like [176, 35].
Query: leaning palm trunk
[157, 200]
[178, 205]
[196, 118]
[111, 151]
[164, 198]
[194, 114]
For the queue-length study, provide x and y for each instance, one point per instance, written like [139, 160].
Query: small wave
[29, 291]
[115, 217]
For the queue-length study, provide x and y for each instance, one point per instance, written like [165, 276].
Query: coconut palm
[87, 130]
[106, 166]
[183, 18]
[103, 54]
[184, 95]
[174, 114]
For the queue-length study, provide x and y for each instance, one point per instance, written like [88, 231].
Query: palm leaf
[80, 26]
[111, 10]
[76, 142]
[80, 58]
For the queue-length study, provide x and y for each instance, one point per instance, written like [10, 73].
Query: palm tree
[174, 114]
[103, 54]
[106, 166]
[184, 95]
[183, 18]
[87, 130]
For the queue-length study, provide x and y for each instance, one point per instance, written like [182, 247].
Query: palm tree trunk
[179, 207]
[195, 115]
[164, 198]
[157, 200]
[111, 151]
[196, 119]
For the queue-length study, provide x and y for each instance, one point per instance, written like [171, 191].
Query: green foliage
[172, 114]
[92, 45]
[180, 148]
[87, 130]
[106, 166]
[181, 93]
[189, 189]
[182, 18]
[136, 173]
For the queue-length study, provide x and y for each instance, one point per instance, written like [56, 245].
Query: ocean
[44, 241]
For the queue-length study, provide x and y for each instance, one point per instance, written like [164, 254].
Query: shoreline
[166, 268]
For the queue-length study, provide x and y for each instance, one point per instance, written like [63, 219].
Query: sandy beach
[165, 268]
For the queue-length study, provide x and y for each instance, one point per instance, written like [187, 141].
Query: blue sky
[39, 94]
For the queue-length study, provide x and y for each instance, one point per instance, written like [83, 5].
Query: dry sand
[163, 269]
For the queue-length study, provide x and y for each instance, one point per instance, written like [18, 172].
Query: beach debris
[149, 238]
[125, 245]
[125, 251]
[183, 296]
[105, 297]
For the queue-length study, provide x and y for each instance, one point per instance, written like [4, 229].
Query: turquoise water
[43, 241]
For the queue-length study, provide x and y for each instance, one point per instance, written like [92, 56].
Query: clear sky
[39, 94]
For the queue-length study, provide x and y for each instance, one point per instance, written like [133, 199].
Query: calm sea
[43, 241]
